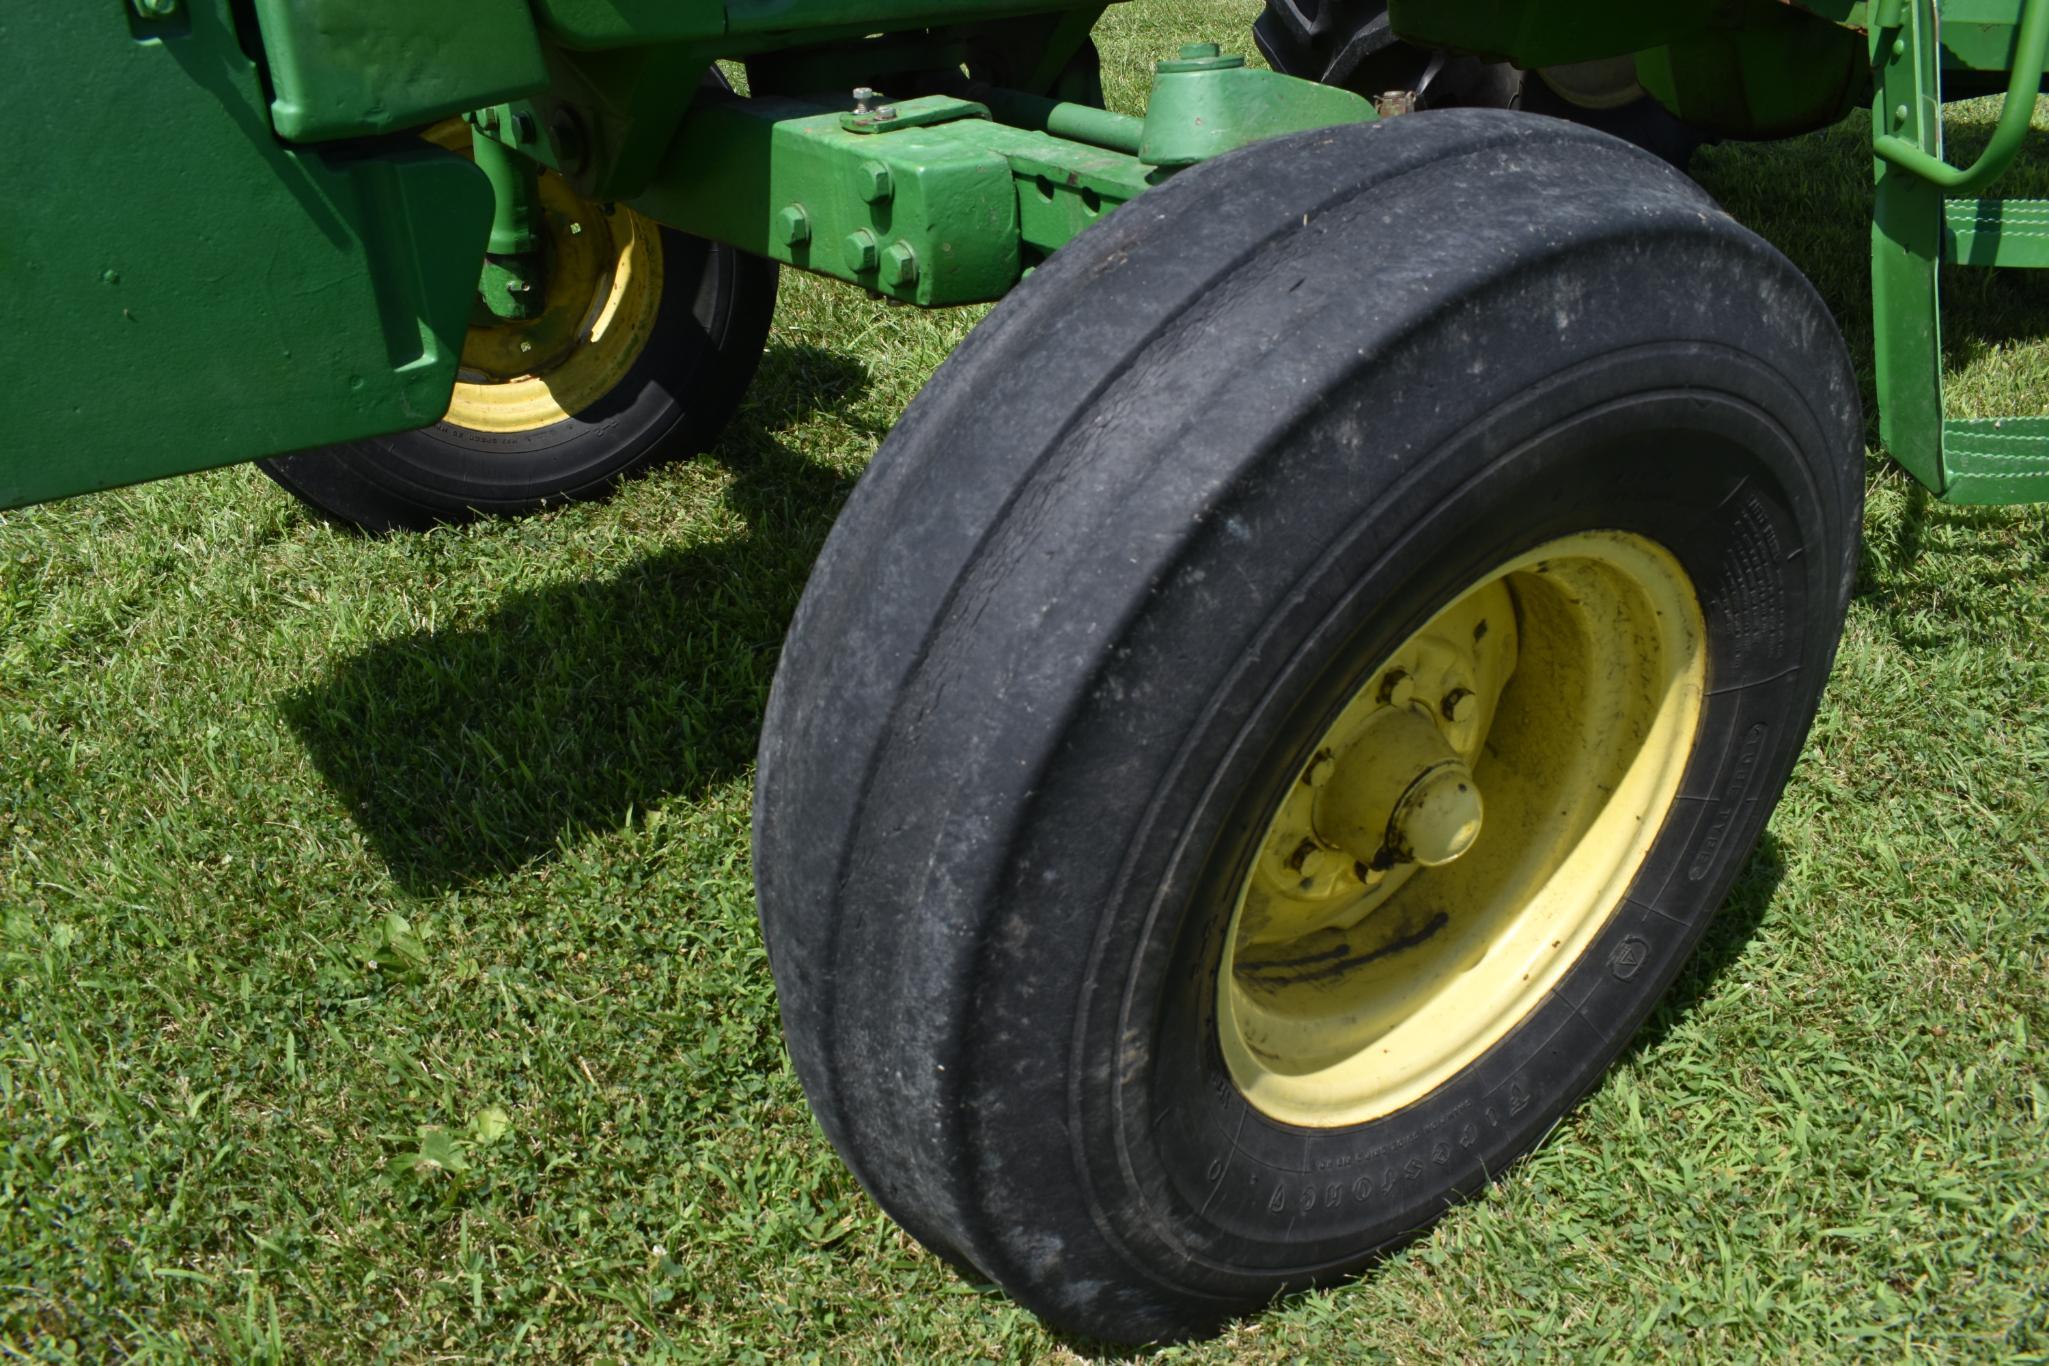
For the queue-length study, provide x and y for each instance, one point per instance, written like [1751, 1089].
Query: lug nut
[1397, 689]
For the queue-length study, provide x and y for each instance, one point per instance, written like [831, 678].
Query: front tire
[1147, 553]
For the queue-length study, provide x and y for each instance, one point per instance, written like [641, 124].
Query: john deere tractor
[1287, 697]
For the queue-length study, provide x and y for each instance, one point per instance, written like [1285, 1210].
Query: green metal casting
[355, 68]
[947, 208]
[183, 290]
[1205, 104]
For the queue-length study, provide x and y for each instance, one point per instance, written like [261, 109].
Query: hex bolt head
[900, 265]
[864, 98]
[522, 127]
[1460, 705]
[862, 251]
[156, 9]
[874, 182]
[887, 111]
[793, 226]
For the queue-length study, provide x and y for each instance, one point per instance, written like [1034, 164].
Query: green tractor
[1289, 694]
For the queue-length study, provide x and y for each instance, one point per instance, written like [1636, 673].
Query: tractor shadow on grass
[467, 753]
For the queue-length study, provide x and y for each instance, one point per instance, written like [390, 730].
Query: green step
[1996, 459]
[1996, 232]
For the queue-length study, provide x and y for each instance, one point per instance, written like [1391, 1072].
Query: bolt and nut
[900, 265]
[793, 226]
[861, 251]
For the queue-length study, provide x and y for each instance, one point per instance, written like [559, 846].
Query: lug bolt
[901, 265]
[1397, 689]
[874, 182]
[862, 251]
[1460, 705]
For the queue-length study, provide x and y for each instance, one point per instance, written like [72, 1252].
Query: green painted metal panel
[181, 289]
[1997, 232]
[1996, 459]
[355, 68]
[1906, 251]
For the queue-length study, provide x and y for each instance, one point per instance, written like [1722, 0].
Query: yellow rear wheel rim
[1462, 831]
[602, 296]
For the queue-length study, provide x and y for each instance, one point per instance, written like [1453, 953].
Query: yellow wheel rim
[1462, 831]
[603, 292]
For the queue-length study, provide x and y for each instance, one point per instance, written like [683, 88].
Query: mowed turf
[381, 975]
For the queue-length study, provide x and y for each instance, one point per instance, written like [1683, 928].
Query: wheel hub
[1461, 830]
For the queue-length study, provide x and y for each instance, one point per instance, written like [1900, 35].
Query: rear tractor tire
[646, 340]
[1352, 44]
[1287, 698]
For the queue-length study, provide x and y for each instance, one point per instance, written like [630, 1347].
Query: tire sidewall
[1180, 1170]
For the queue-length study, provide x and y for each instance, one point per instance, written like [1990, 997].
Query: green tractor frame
[1285, 701]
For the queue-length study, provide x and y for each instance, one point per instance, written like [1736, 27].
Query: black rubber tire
[1183, 485]
[676, 398]
[1350, 43]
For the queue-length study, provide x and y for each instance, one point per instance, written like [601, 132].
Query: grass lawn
[381, 974]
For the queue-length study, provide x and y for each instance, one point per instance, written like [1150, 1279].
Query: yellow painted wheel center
[603, 291]
[1462, 831]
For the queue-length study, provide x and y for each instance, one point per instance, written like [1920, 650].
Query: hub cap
[1462, 830]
